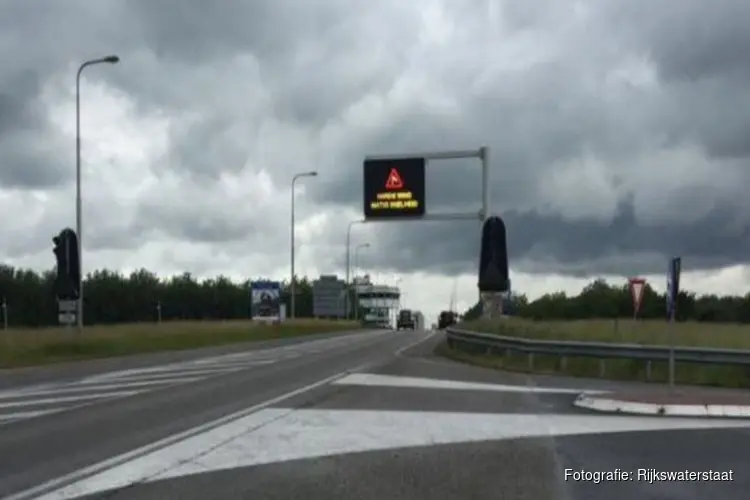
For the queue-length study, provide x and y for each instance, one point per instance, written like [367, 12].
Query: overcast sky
[619, 133]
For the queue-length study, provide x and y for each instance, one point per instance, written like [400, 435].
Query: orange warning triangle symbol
[394, 180]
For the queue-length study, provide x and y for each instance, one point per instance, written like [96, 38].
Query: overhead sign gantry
[394, 190]
[394, 186]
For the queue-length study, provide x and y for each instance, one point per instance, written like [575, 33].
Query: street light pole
[348, 262]
[356, 262]
[292, 287]
[79, 216]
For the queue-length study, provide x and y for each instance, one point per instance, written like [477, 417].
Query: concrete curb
[604, 404]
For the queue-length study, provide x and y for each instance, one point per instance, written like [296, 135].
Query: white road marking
[153, 376]
[278, 435]
[81, 476]
[402, 350]
[90, 387]
[67, 399]
[377, 380]
[9, 417]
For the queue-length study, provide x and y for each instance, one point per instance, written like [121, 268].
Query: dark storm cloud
[688, 39]
[553, 113]
[700, 52]
[540, 83]
[39, 39]
[25, 159]
[543, 244]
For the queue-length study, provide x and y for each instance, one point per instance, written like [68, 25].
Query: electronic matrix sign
[394, 188]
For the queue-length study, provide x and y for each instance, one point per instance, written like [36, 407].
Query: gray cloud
[27, 159]
[618, 130]
[545, 244]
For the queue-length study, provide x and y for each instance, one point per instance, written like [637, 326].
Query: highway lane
[370, 420]
[36, 449]
[15, 377]
[61, 390]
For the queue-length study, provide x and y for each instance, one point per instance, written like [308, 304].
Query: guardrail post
[602, 368]
[531, 361]
[648, 370]
[563, 363]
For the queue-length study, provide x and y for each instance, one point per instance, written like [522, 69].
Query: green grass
[27, 347]
[623, 331]
[730, 336]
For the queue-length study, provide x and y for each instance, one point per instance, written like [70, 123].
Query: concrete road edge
[608, 405]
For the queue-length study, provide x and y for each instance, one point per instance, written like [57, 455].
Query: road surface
[364, 416]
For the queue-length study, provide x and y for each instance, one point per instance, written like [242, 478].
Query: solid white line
[239, 365]
[66, 389]
[232, 360]
[379, 380]
[133, 377]
[120, 459]
[415, 344]
[65, 399]
[21, 415]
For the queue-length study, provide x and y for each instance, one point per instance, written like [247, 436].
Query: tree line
[602, 300]
[111, 297]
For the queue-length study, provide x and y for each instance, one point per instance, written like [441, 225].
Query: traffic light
[68, 265]
[493, 257]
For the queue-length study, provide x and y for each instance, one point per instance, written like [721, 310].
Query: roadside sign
[265, 300]
[637, 287]
[67, 306]
[66, 318]
[673, 286]
[66, 311]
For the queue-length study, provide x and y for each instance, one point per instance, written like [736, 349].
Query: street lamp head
[111, 59]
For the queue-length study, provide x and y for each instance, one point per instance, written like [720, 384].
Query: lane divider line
[415, 344]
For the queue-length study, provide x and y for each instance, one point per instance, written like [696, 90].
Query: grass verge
[628, 331]
[53, 345]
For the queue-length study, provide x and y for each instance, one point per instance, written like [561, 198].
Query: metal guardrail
[467, 340]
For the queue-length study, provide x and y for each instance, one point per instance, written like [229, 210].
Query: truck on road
[405, 320]
[446, 319]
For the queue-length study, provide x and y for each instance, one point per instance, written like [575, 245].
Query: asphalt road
[366, 416]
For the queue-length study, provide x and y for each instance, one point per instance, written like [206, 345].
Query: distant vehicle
[405, 320]
[446, 319]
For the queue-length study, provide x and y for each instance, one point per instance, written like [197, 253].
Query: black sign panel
[394, 188]
[493, 257]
